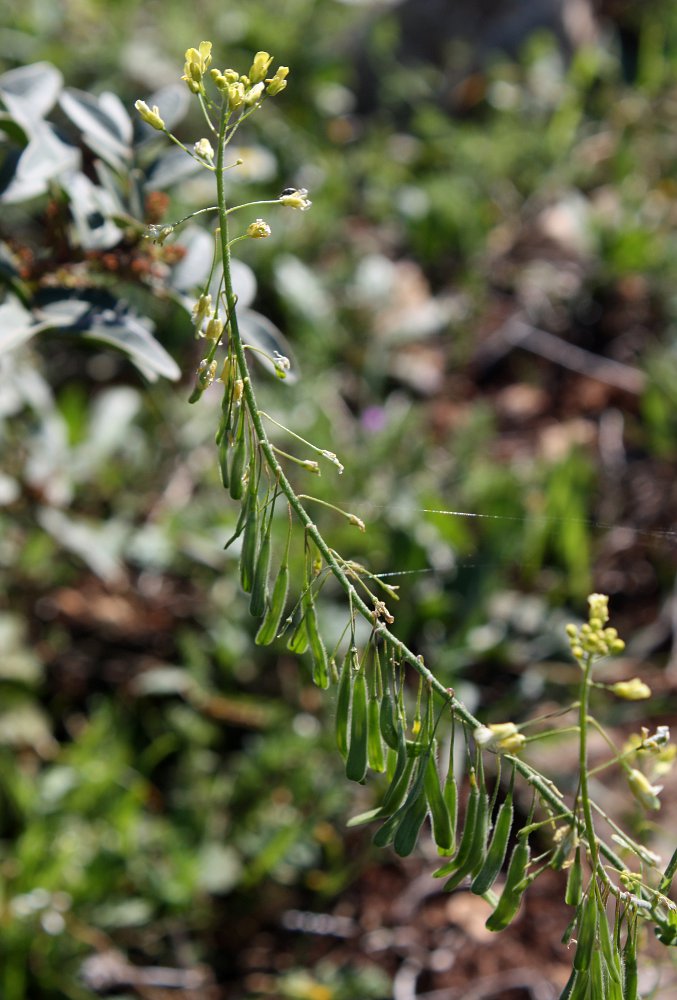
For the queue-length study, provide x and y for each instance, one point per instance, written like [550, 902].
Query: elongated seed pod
[387, 718]
[316, 644]
[298, 640]
[450, 796]
[498, 848]
[574, 889]
[630, 977]
[224, 456]
[475, 855]
[587, 931]
[406, 834]
[273, 616]
[439, 813]
[597, 976]
[239, 458]
[567, 992]
[356, 761]
[469, 826]
[375, 755]
[399, 786]
[250, 541]
[343, 706]
[611, 955]
[259, 595]
[513, 890]
[385, 834]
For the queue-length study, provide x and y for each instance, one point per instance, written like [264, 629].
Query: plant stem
[583, 762]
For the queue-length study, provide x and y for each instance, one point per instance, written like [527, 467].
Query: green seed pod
[317, 647]
[612, 958]
[273, 616]
[385, 834]
[466, 842]
[498, 848]
[399, 786]
[343, 706]
[356, 761]
[450, 796]
[474, 858]
[597, 987]
[574, 889]
[375, 754]
[567, 992]
[224, 455]
[409, 827]
[239, 459]
[387, 719]
[250, 540]
[259, 596]
[298, 640]
[439, 813]
[587, 931]
[630, 979]
[514, 887]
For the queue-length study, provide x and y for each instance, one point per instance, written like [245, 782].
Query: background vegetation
[481, 304]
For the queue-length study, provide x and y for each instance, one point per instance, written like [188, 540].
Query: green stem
[583, 762]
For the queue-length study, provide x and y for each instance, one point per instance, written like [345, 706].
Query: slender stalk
[583, 761]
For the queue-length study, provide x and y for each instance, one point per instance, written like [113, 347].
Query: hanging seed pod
[514, 887]
[239, 458]
[410, 825]
[273, 616]
[587, 931]
[343, 706]
[298, 640]
[567, 992]
[375, 754]
[224, 456]
[450, 796]
[439, 813]
[475, 856]
[612, 958]
[630, 978]
[460, 861]
[385, 834]
[356, 761]
[574, 889]
[250, 541]
[259, 595]
[597, 987]
[317, 647]
[498, 847]
[387, 718]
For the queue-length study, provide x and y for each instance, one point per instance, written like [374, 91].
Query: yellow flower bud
[500, 737]
[645, 793]
[634, 690]
[235, 95]
[254, 94]
[150, 115]
[203, 148]
[258, 230]
[278, 82]
[599, 608]
[260, 66]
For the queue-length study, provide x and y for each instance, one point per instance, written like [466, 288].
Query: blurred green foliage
[161, 775]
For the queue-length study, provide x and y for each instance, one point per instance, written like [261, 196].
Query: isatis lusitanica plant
[392, 714]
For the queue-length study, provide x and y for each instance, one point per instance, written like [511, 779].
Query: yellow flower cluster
[501, 737]
[249, 89]
[593, 638]
[195, 67]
